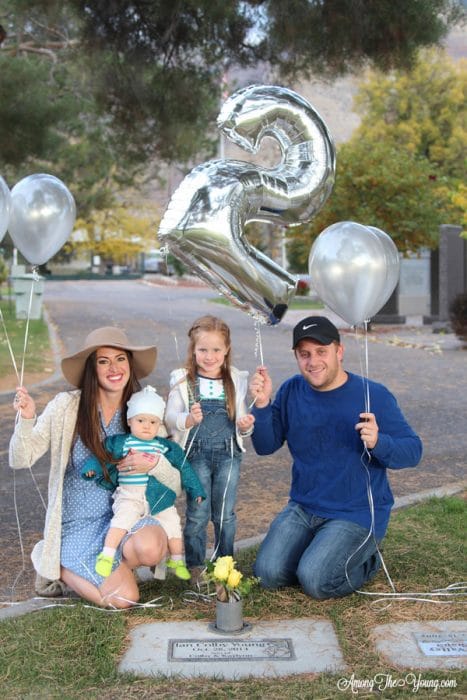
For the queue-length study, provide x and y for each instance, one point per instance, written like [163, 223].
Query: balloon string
[164, 250]
[35, 277]
[18, 525]
[364, 364]
[10, 349]
[367, 364]
[20, 382]
[364, 373]
[258, 343]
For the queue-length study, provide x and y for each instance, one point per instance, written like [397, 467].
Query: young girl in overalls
[207, 415]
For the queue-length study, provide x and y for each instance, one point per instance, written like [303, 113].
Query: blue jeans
[217, 465]
[321, 555]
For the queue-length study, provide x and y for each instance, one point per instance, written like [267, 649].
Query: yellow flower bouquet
[229, 582]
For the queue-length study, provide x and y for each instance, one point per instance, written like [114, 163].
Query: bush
[458, 316]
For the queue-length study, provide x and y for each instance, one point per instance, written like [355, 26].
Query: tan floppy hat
[144, 356]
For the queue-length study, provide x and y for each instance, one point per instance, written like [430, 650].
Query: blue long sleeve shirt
[328, 477]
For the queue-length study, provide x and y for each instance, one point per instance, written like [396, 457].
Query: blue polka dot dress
[87, 511]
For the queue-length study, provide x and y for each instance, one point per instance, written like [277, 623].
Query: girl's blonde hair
[208, 324]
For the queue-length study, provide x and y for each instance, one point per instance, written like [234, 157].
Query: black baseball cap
[317, 328]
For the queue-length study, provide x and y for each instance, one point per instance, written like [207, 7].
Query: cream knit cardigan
[54, 430]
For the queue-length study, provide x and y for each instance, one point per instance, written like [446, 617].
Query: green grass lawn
[72, 652]
[297, 302]
[38, 345]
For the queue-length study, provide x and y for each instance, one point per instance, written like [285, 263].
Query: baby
[137, 494]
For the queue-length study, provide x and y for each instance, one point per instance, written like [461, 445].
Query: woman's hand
[137, 462]
[195, 416]
[24, 403]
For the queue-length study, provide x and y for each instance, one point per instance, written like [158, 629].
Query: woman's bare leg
[146, 547]
[119, 590]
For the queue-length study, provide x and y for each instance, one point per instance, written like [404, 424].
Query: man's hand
[368, 429]
[261, 387]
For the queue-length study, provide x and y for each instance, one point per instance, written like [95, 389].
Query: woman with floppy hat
[106, 372]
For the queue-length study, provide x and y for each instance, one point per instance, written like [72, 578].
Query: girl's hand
[90, 474]
[245, 423]
[261, 387]
[24, 403]
[195, 416]
[198, 499]
[368, 428]
[137, 462]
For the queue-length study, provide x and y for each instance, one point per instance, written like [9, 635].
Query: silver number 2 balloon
[205, 220]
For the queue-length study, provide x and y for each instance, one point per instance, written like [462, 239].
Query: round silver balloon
[42, 216]
[206, 217]
[393, 262]
[5, 203]
[348, 269]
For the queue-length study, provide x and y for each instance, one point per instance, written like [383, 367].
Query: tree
[49, 122]
[154, 68]
[401, 170]
[118, 234]
[159, 65]
[333, 37]
[422, 111]
[379, 185]
[93, 91]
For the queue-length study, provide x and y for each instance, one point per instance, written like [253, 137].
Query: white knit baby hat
[146, 401]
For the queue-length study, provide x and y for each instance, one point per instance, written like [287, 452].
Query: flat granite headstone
[422, 645]
[190, 649]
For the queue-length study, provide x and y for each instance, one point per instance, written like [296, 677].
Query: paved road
[427, 372]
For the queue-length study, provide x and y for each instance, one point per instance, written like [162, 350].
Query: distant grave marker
[442, 643]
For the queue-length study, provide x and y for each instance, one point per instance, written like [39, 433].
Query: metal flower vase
[229, 615]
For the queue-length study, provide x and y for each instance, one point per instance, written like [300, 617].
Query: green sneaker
[104, 565]
[179, 567]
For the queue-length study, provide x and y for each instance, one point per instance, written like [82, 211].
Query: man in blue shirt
[343, 432]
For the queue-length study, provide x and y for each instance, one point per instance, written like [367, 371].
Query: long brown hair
[207, 324]
[88, 424]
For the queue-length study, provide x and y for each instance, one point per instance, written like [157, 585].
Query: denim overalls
[215, 457]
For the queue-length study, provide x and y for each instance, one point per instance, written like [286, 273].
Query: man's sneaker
[104, 565]
[179, 568]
